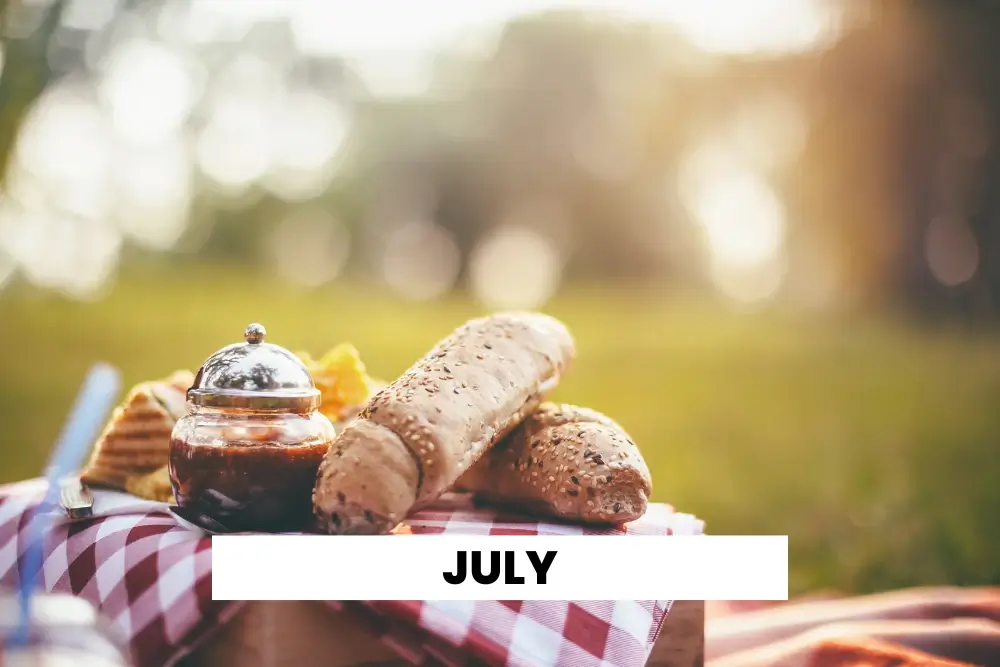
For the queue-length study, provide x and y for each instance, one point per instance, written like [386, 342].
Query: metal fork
[76, 499]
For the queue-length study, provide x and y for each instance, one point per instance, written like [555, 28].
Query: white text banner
[500, 567]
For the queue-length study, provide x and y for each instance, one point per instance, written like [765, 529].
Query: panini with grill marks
[136, 440]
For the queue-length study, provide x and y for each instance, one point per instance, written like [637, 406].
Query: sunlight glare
[742, 217]
[735, 27]
[97, 166]
[738, 27]
[743, 220]
[150, 91]
[395, 58]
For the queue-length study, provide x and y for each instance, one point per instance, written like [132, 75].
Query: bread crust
[417, 436]
[566, 462]
[366, 483]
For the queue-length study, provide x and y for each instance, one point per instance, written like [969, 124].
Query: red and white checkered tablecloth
[151, 576]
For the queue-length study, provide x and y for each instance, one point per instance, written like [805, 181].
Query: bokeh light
[154, 186]
[421, 260]
[515, 267]
[186, 99]
[67, 140]
[768, 26]
[742, 218]
[309, 248]
[149, 90]
[952, 251]
[233, 149]
[70, 255]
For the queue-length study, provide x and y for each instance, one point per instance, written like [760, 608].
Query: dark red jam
[248, 485]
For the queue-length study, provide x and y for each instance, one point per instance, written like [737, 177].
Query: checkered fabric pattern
[151, 576]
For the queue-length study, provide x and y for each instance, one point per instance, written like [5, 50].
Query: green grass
[874, 446]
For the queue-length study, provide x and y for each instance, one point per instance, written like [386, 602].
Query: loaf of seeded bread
[566, 462]
[418, 435]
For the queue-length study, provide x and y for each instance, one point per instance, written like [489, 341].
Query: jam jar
[247, 452]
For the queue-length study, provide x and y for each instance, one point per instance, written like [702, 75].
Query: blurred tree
[956, 117]
[25, 30]
[933, 67]
[579, 128]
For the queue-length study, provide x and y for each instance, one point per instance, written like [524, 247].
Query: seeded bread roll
[419, 434]
[566, 462]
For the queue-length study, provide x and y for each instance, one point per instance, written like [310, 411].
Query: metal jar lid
[255, 375]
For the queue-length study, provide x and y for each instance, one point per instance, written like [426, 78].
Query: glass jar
[64, 631]
[248, 451]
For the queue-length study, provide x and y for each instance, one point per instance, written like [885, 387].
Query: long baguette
[566, 462]
[417, 436]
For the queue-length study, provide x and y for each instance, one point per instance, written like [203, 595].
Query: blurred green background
[773, 231]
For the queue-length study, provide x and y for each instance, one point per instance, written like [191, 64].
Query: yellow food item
[152, 486]
[342, 380]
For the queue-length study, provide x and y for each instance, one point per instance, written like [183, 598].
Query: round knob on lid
[255, 334]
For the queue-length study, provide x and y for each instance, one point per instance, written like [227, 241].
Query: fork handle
[76, 499]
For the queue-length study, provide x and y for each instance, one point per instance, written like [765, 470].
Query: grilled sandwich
[136, 441]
